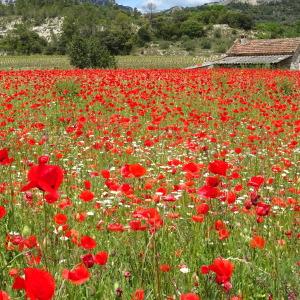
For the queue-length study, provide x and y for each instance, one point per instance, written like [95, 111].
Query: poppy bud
[43, 159]
[88, 260]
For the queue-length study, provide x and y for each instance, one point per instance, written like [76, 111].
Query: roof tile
[265, 47]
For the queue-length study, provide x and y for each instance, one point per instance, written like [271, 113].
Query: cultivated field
[123, 62]
[157, 184]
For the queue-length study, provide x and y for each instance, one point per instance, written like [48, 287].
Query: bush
[21, 40]
[189, 45]
[192, 29]
[164, 45]
[206, 44]
[90, 54]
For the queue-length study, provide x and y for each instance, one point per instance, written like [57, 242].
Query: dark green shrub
[90, 53]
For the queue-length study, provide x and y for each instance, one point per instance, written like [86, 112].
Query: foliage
[90, 53]
[122, 31]
[21, 40]
[192, 29]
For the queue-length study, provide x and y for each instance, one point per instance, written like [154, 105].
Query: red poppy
[202, 209]
[87, 184]
[134, 170]
[213, 181]
[2, 212]
[137, 225]
[47, 178]
[138, 295]
[223, 234]
[38, 284]
[256, 181]
[165, 267]
[60, 219]
[219, 167]
[257, 242]
[191, 167]
[86, 196]
[209, 192]
[88, 260]
[87, 242]
[223, 269]
[189, 296]
[4, 159]
[4, 296]
[105, 174]
[101, 258]
[115, 227]
[198, 218]
[262, 209]
[78, 275]
[151, 215]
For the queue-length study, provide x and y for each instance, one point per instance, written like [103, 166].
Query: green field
[123, 62]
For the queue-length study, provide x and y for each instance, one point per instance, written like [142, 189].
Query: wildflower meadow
[150, 184]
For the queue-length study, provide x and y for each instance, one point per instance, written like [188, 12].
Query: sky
[162, 4]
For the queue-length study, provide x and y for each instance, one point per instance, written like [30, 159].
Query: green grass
[123, 62]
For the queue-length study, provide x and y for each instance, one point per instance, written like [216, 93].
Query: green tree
[90, 53]
[192, 29]
[21, 40]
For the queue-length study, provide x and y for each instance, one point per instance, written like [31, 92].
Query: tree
[90, 53]
[78, 52]
[150, 8]
[21, 40]
[192, 29]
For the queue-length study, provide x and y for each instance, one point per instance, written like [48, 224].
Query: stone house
[274, 53]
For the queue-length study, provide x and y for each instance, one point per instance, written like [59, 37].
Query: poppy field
[150, 184]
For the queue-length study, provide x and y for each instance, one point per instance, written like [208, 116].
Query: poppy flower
[78, 275]
[189, 296]
[87, 242]
[60, 219]
[137, 225]
[262, 209]
[256, 181]
[257, 242]
[2, 212]
[134, 170]
[198, 218]
[115, 227]
[38, 284]
[105, 174]
[223, 269]
[4, 296]
[86, 196]
[165, 267]
[4, 159]
[202, 209]
[101, 258]
[88, 260]
[218, 167]
[191, 167]
[47, 178]
[209, 192]
[151, 215]
[213, 181]
[138, 295]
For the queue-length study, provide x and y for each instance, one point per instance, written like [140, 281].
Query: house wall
[295, 64]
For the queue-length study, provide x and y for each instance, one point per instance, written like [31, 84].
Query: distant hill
[49, 26]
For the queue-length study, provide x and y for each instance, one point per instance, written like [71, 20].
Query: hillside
[49, 26]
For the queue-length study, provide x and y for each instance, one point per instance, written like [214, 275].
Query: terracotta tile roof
[265, 47]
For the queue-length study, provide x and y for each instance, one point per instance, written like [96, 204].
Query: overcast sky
[163, 4]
